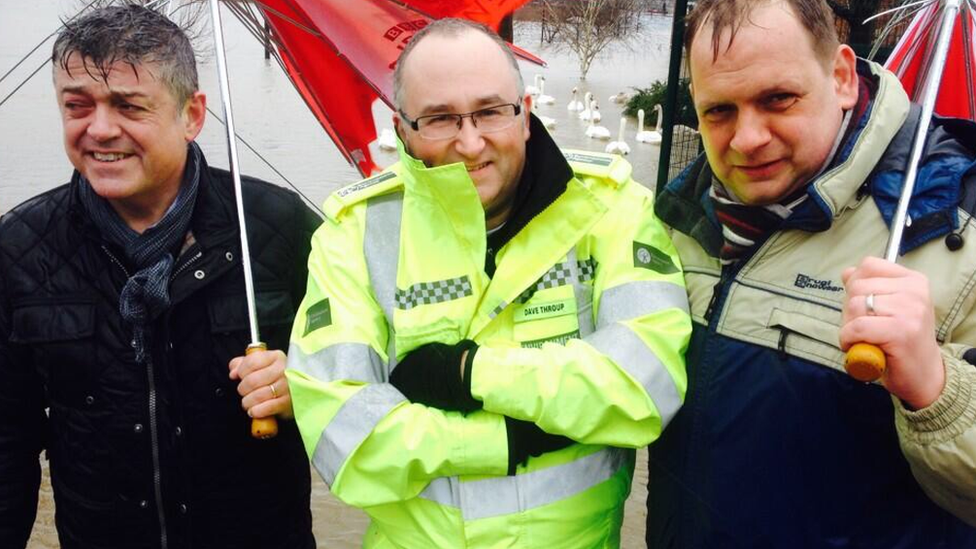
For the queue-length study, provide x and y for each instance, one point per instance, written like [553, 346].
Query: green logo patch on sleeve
[649, 257]
[318, 316]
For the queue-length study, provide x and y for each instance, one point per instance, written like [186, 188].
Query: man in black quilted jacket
[122, 309]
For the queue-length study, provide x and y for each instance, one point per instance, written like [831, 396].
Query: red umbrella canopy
[913, 56]
[340, 55]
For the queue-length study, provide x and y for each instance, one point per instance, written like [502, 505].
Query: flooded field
[270, 115]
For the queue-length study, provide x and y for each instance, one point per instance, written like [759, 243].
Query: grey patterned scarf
[146, 294]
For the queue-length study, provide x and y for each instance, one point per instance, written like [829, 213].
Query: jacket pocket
[229, 337]
[52, 321]
[228, 313]
[808, 336]
[61, 336]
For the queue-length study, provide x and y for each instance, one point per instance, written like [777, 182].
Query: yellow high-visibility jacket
[581, 330]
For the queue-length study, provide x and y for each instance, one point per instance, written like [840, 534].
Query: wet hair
[130, 34]
[452, 28]
[814, 15]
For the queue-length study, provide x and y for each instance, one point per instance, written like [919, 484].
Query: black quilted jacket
[154, 455]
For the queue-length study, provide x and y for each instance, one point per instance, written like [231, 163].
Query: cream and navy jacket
[776, 446]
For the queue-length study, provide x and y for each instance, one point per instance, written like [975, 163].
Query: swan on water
[575, 105]
[593, 131]
[586, 112]
[620, 98]
[619, 146]
[544, 99]
[652, 137]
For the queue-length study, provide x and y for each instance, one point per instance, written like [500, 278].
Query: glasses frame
[415, 124]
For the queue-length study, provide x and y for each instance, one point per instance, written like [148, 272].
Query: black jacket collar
[544, 178]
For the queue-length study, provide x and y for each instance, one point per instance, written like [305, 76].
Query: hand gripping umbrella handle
[262, 427]
[865, 362]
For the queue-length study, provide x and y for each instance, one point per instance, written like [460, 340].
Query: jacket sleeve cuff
[950, 415]
[483, 443]
[472, 348]
[486, 378]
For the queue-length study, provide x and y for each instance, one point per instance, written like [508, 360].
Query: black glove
[527, 439]
[431, 375]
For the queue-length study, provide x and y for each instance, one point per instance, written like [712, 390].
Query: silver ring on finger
[869, 303]
[274, 392]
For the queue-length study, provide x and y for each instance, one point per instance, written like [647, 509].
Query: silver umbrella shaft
[234, 167]
[930, 91]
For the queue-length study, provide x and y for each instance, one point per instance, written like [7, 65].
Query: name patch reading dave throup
[537, 311]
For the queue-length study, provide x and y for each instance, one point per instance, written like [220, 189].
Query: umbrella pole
[260, 427]
[866, 362]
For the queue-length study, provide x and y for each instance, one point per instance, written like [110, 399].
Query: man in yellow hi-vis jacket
[486, 388]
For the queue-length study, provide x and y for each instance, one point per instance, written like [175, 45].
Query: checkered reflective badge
[587, 269]
[427, 293]
[560, 274]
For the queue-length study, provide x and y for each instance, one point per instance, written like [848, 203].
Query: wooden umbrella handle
[865, 362]
[262, 427]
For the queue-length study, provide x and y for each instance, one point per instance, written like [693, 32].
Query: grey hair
[132, 34]
[451, 27]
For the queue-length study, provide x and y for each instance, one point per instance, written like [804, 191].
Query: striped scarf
[742, 225]
[146, 294]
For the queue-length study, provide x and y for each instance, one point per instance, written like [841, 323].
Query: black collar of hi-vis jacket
[544, 178]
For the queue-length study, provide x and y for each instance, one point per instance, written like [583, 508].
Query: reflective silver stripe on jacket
[351, 361]
[497, 496]
[355, 420]
[579, 274]
[628, 351]
[381, 246]
[636, 299]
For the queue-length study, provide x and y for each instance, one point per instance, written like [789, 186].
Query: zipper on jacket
[153, 427]
[116, 261]
[717, 292]
[721, 287]
[185, 264]
[154, 437]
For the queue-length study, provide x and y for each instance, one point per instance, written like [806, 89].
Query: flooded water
[270, 115]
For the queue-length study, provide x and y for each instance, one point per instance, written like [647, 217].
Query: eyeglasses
[448, 126]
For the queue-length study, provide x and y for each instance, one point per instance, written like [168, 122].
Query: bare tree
[586, 27]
